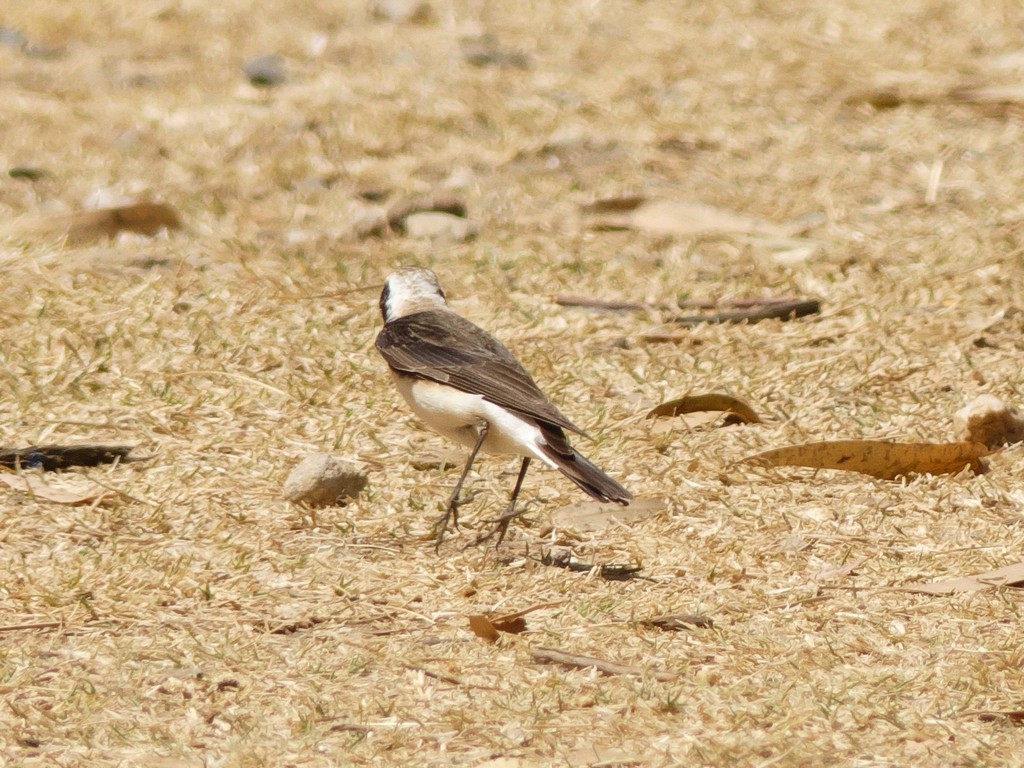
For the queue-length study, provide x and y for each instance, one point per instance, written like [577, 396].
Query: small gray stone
[265, 71]
[320, 480]
[434, 225]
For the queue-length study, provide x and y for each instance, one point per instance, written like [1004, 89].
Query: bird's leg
[451, 511]
[510, 514]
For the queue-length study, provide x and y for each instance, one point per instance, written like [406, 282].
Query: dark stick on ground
[784, 310]
[56, 457]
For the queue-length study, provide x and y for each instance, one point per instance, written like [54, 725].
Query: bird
[464, 384]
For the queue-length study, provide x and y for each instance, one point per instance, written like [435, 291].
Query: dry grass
[206, 622]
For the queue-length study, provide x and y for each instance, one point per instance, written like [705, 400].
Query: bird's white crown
[410, 290]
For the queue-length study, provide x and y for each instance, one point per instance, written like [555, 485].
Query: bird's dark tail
[582, 471]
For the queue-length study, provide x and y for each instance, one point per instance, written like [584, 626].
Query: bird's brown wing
[444, 347]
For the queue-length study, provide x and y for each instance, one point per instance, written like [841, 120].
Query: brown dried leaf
[713, 401]
[40, 490]
[675, 217]
[84, 227]
[1010, 576]
[511, 623]
[482, 627]
[878, 458]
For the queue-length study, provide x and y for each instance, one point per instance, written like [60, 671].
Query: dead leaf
[878, 458]
[85, 227]
[676, 217]
[543, 655]
[1010, 576]
[489, 628]
[678, 621]
[482, 627]
[71, 495]
[595, 516]
[510, 623]
[713, 401]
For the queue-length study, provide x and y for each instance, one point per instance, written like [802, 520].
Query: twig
[435, 675]
[611, 306]
[54, 457]
[37, 625]
[542, 655]
[782, 310]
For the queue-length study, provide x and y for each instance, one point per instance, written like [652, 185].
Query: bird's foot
[451, 513]
[499, 528]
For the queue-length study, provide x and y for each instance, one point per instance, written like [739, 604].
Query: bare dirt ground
[196, 618]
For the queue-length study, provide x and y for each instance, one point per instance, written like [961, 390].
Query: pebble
[265, 71]
[434, 225]
[321, 480]
[987, 419]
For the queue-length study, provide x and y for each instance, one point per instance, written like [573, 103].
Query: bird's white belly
[457, 415]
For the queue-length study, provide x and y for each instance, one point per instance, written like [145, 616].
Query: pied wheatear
[465, 385]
